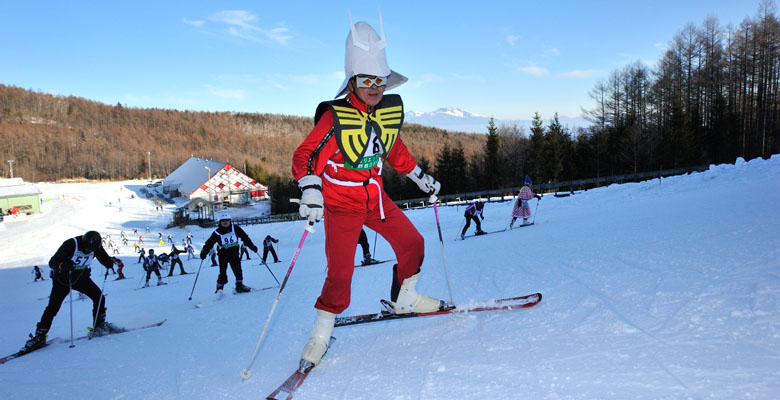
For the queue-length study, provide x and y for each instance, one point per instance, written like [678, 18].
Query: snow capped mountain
[455, 119]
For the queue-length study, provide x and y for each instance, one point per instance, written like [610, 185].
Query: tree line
[712, 97]
[53, 138]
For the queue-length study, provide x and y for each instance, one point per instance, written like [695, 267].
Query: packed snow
[663, 289]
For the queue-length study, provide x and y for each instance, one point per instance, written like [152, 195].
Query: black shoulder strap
[326, 106]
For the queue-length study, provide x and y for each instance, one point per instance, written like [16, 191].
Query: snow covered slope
[665, 289]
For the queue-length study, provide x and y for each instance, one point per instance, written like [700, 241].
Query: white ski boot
[317, 345]
[410, 301]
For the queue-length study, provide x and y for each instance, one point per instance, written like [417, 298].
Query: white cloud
[554, 51]
[512, 39]
[535, 71]
[579, 73]
[244, 25]
[193, 23]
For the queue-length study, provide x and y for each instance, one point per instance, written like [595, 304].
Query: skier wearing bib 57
[71, 270]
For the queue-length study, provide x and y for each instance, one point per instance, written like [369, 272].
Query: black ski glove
[63, 269]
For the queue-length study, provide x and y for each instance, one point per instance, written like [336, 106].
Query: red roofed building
[214, 181]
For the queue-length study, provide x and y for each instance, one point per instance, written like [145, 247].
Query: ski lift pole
[434, 200]
[245, 373]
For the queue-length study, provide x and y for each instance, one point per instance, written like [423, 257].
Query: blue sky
[506, 59]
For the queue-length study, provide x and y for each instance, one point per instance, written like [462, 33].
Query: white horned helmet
[365, 54]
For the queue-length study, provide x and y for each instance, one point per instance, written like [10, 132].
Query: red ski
[510, 303]
[286, 390]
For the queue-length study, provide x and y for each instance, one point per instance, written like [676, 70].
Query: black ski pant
[468, 224]
[266, 249]
[80, 281]
[363, 242]
[156, 270]
[173, 266]
[244, 251]
[235, 265]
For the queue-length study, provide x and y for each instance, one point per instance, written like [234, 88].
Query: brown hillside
[57, 137]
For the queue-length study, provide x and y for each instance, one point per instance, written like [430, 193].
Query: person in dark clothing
[473, 212]
[141, 255]
[71, 270]
[173, 256]
[244, 251]
[268, 246]
[363, 242]
[226, 237]
[152, 264]
[38, 273]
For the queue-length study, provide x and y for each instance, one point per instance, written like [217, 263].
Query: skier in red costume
[338, 168]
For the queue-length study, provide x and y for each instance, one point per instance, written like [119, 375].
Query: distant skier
[190, 252]
[226, 237]
[244, 251]
[38, 273]
[268, 246]
[119, 264]
[521, 208]
[174, 257]
[70, 270]
[474, 212]
[141, 255]
[363, 242]
[152, 264]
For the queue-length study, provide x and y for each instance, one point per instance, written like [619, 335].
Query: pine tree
[492, 173]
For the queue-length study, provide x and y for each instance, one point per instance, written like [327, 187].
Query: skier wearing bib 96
[338, 169]
[226, 237]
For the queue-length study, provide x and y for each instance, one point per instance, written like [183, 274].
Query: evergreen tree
[535, 155]
[492, 173]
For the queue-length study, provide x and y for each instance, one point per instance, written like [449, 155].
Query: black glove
[64, 269]
[482, 216]
[538, 196]
[202, 255]
[253, 248]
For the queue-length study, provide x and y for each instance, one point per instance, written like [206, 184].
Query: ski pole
[537, 207]
[375, 235]
[441, 240]
[245, 373]
[70, 293]
[196, 278]
[100, 302]
[266, 266]
[459, 230]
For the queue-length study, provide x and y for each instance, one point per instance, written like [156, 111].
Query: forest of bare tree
[54, 137]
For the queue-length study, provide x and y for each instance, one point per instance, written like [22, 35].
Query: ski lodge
[18, 197]
[213, 181]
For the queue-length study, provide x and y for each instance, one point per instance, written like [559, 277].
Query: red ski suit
[354, 198]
